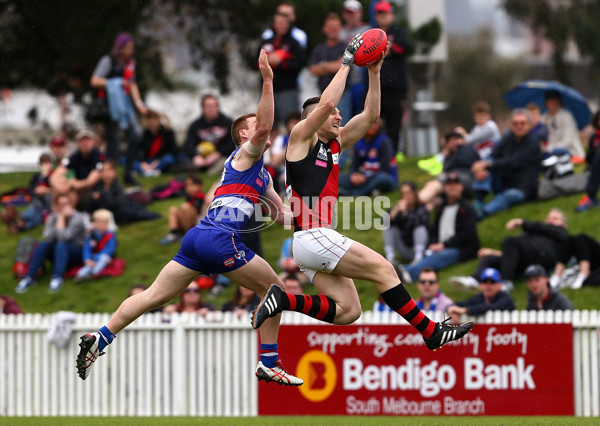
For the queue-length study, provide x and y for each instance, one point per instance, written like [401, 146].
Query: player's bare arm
[278, 211]
[356, 128]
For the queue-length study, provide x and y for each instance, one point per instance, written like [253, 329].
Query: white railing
[194, 366]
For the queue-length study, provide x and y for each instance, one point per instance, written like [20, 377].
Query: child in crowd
[187, 215]
[100, 246]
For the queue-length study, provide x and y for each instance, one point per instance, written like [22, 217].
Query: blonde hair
[103, 214]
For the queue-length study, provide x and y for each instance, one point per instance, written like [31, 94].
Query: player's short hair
[239, 124]
[482, 107]
[309, 105]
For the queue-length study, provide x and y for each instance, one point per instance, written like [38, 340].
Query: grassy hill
[138, 244]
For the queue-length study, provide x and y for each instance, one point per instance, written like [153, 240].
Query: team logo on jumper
[321, 375]
[320, 163]
[322, 155]
[240, 255]
[336, 158]
[229, 262]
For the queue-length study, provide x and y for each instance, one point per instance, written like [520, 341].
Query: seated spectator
[540, 296]
[515, 164]
[491, 297]
[371, 168]
[485, 133]
[8, 305]
[538, 129]
[63, 238]
[453, 235]
[431, 296]
[592, 158]
[100, 246]
[408, 233]
[79, 172]
[157, 145]
[190, 301]
[243, 302]
[208, 142]
[39, 208]
[563, 136]
[58, 150]
[186, 216]
[587, 253]
[293, 285]
[545, 243]
[326, 59]
[458, 157]
[109, 194]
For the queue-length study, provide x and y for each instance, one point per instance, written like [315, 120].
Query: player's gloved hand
[348, 58]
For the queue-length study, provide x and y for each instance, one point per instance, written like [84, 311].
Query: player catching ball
[329, 259]
[214, 246]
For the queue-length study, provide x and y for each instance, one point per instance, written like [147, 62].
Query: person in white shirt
[563, 135]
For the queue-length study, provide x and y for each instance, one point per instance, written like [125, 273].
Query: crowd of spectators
[481, 172]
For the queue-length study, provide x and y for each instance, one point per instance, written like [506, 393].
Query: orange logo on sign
[320, 375]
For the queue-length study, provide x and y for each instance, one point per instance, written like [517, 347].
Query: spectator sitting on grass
[485, 133]
[540, 295]
[191, 301]
[187, 215]
[157, 145]
[243, 302]
[431, 296]
[592, 158]
[100, 246]
[58, 150]
[8, 305]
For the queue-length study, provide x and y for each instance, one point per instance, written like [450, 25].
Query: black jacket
[164, 136]
[555, 302]
[466, 239]
[549, 240]
[217, 132]
[393, 70]
[477, 305]
[518, 162]
[285, 75]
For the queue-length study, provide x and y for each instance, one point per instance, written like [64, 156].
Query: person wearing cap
[541, 296]
[563, 136]
[458, 157]
[393, 72]
[491, 297]
[58, 149]
[515, 164]
[79, 172]
[352, 13]
[453, 235]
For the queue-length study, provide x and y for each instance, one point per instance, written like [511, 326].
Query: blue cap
[490, 274]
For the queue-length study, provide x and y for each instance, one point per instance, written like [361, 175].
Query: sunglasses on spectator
[430, 282]
[191, 290]
[487, 282]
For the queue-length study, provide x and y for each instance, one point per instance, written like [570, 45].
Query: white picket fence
[184, 365]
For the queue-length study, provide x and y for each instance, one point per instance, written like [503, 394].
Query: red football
[374, 44]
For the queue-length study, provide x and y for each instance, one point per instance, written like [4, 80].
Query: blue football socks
[107, 338]
[268, 354]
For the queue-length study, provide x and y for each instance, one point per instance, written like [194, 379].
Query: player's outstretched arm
[305, 130]
[266, 109]
[356, 128]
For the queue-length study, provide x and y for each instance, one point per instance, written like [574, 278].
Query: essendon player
[331, 260]
[214, 246]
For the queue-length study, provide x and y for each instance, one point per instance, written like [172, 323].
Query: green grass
[138, 244]
[296, 420]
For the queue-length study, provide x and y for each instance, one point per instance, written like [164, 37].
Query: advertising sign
[507, 369]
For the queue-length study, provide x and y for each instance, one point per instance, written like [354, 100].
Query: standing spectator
[158, 146]
[185, 216]
[64, 235]
[109, 194]
[453, 235]
[491, 297]
[408, 233]
[244, 301]
[515, 163]
[592, 158]
[371, 168]
[538, 129]
[114, 81]
[8, 305]
[485, 133]
[393, 72]
[190, 300]
[79, 172]
[587, 253]
[563, 136]
[458, 157]
[432, 298]
[288, 10]
[58, 149]
[208, 142]
[540, 295]
[100, 246]
[326, 59]
[352, 13]
[286, 57]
